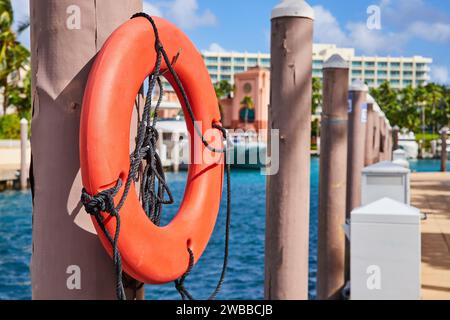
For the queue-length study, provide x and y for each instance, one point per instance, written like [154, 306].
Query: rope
[153, 186]
[179, 284]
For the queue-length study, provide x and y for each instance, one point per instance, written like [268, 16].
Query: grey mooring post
[384, 137]
[357, 120]
[377, 139]
[333, 178]
[395, 137]
[356, 143]
[370, 132]
[444, 152]
[23, 154]
[287, 214]
[390, 143]
[68, 261]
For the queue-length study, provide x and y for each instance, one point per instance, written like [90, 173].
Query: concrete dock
[10, 155]
[431, 194]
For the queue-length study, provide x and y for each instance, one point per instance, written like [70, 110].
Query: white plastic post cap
[396, 128]
[370, 99]
[444, 130]
[293, 8]
[359, 85]
[23, 121]
[336, 62]
[376, 107]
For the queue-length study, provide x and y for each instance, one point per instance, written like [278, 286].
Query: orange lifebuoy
[149, 253]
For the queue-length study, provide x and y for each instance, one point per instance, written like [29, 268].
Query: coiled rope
[153, 187]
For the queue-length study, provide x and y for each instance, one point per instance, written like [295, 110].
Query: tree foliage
[406, 107]
[223, 89]
[316, 94]
[14, 57]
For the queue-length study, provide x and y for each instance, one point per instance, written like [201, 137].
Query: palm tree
[317, 94]
[223, 89]
[13, 56]
[434, 98]
[247, 105]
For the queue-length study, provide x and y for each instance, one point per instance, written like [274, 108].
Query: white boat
[407, 142]
[245, 149]
[400, 158]
[436, 147]
[248, 151]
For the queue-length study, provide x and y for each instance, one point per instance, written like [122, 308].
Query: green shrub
[10, 126]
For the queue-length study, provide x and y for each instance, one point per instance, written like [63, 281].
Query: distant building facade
[399, 71]
[251, 86]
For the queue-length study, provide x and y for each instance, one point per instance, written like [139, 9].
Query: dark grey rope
[179, 284]
[153, 185]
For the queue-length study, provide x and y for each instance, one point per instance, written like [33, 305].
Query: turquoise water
[427, 165]
[245, 277]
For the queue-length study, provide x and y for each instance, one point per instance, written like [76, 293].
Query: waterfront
[245, 278]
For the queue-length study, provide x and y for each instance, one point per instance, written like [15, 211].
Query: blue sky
[408, 27]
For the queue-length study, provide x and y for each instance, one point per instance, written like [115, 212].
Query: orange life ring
[149, 253]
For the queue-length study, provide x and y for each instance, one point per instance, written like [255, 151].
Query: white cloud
[374, 41]
[327, 28]
[21, 10]
[440, 74]
[21, 14]
[355, 34]
[186, 13]
[152, 10]
[433, 32]
[215, 47]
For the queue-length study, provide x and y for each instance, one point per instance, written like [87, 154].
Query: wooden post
[68, 261]
[356, 145]
[287, 217]
[357, 121]
[333, 179]
[395, 137]
[369, 146]
[386, 138]
[176, 152]
[390, 143]
[383, 137]
[377, 132]
[23, 154]
[444, 154]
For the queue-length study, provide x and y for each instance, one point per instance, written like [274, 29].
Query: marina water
[245, 277]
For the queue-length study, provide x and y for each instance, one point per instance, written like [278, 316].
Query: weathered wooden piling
[390, 143]
[369, 147]
[444, 152]
[395, 137]
[333, 178]
[377, 134]
[23, 154]
[356, 143]
[357, 121]
[287, 217]
[383, 137]
[68, 261]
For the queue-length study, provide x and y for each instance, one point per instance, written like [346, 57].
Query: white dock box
[385, 252]
[385, 179]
